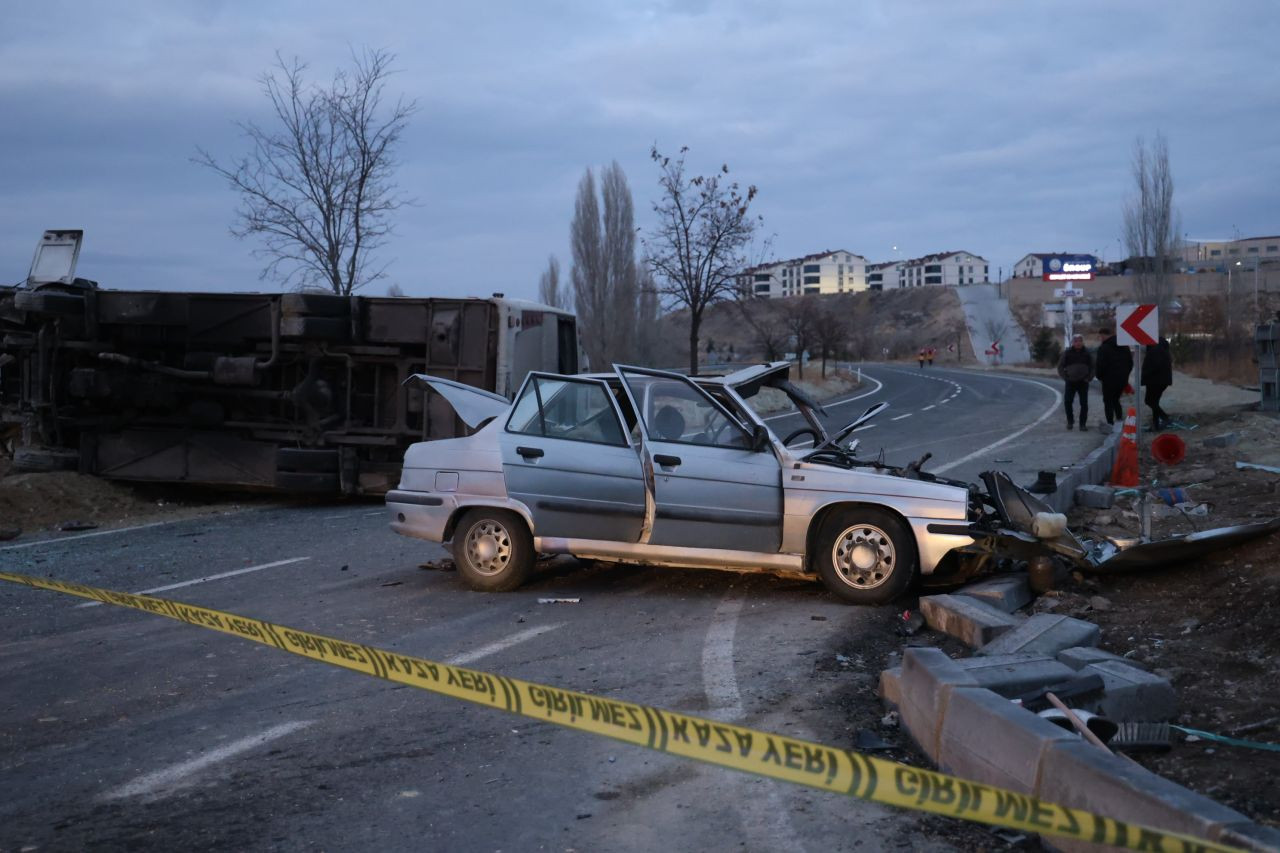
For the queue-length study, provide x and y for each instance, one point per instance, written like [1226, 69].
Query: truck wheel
[493, 550]
[54, 302]
[866, 555]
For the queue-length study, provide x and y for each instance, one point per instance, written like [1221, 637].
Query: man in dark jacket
[1115, 363]
[1157, 375]
[1076, 368]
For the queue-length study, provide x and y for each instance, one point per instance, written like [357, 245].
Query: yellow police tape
[791, 760]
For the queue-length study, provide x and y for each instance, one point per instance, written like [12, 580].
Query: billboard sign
[1069, 267]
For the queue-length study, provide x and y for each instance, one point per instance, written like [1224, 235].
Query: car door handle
[665, 460]
[530, 452]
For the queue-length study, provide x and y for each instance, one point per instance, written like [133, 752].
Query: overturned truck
[289, 391]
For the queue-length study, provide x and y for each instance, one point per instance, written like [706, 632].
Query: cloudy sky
[996, 127]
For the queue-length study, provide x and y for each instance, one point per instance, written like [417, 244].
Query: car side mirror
[759, 438]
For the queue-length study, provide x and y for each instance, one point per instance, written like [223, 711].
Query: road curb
[1093, 469]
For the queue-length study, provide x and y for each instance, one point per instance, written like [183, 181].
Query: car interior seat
[668, 423]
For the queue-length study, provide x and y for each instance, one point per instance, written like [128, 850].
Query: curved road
[122, 730]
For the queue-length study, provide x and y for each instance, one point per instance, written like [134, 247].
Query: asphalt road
[123, 730]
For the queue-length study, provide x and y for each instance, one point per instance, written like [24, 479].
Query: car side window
[568, 409]
[677, 412]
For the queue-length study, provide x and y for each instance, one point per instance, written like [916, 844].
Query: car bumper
[936, 539]
[420, 514]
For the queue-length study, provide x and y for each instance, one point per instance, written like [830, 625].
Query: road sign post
[1139, 326]
[1068, 295]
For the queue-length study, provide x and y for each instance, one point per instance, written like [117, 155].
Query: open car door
[714, 486]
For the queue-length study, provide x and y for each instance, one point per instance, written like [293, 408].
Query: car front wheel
[866, 555]
[493, 550]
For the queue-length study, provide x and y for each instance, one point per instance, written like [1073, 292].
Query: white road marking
[944, 402]
[1057, 404]
[493, 648]
[60, 540]
[926, 408]
[831, 405]
[230, 574]
[900, 417]
[763, 822]
[162, 782]
[865, 426]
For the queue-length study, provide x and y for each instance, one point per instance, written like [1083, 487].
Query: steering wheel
[802, 431]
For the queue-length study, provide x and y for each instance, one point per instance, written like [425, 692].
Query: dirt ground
[34, 504]
[1211, 626]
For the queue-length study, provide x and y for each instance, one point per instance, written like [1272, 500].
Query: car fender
[462, 503]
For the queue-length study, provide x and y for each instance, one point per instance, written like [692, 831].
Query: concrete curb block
[1094, 468]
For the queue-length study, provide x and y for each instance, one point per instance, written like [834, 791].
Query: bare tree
[394, 289]
[798, 315]
[995, 329]
[604, 266]
[318, 190]
[766, 326]
[831, 328]
[549, 290]
[1151, 225]
[700, 241]
[648, 318]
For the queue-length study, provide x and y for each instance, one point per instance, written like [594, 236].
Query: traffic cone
[1125, 470]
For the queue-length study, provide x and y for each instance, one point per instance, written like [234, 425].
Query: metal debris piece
[1253, 466]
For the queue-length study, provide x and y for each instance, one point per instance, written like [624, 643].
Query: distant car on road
[653, 467]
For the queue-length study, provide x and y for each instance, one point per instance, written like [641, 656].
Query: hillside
[901, 321]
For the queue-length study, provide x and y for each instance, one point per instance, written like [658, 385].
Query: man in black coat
[1115, 363]
[1076, 369]
[1157, 375]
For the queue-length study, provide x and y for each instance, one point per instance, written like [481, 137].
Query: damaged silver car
[655, 468]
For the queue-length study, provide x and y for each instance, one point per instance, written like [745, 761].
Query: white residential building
[883, 276]
[824, 272]
[945, 269]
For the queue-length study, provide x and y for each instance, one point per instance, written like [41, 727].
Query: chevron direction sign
[1137, 325]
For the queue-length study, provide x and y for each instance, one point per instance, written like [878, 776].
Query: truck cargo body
[293, 391]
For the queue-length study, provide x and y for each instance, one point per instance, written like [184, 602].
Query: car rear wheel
[866, 555]
[493, 550]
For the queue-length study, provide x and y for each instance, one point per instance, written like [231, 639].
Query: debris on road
[7, 533]
[73, 526]
[442, 565]
[1252, 466]
[910, 622]
[559, 600]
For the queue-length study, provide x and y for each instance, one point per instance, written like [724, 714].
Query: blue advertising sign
[1069, 267]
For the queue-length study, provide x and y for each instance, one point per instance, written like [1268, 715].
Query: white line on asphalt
[926, 408]
[767, 827]
[230, 574]
[152, 785]
[835, 403]
[865, 426]
[1057, 404]
[62, 539]
[944, 402]
[900, 417]
[493, 648]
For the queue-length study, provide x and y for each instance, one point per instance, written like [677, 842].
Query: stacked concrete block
[1077, 774]
[1014, 675]
[923, 688]
[1081, 656]
[1044, 634]
[1095, 497]
[973, 622]
[1008, 592]
[988, 739]
[1130, 694]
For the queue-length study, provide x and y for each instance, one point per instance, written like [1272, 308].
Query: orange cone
[1125, 470]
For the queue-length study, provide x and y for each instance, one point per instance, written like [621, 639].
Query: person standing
[1075, 366]
[1157, 375]
[1114, 364]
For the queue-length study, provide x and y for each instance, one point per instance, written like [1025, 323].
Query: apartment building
[944, 269]
[1208, 254]
[883, 276]
[825, 272]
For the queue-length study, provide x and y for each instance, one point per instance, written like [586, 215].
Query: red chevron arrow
[1133, 324]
